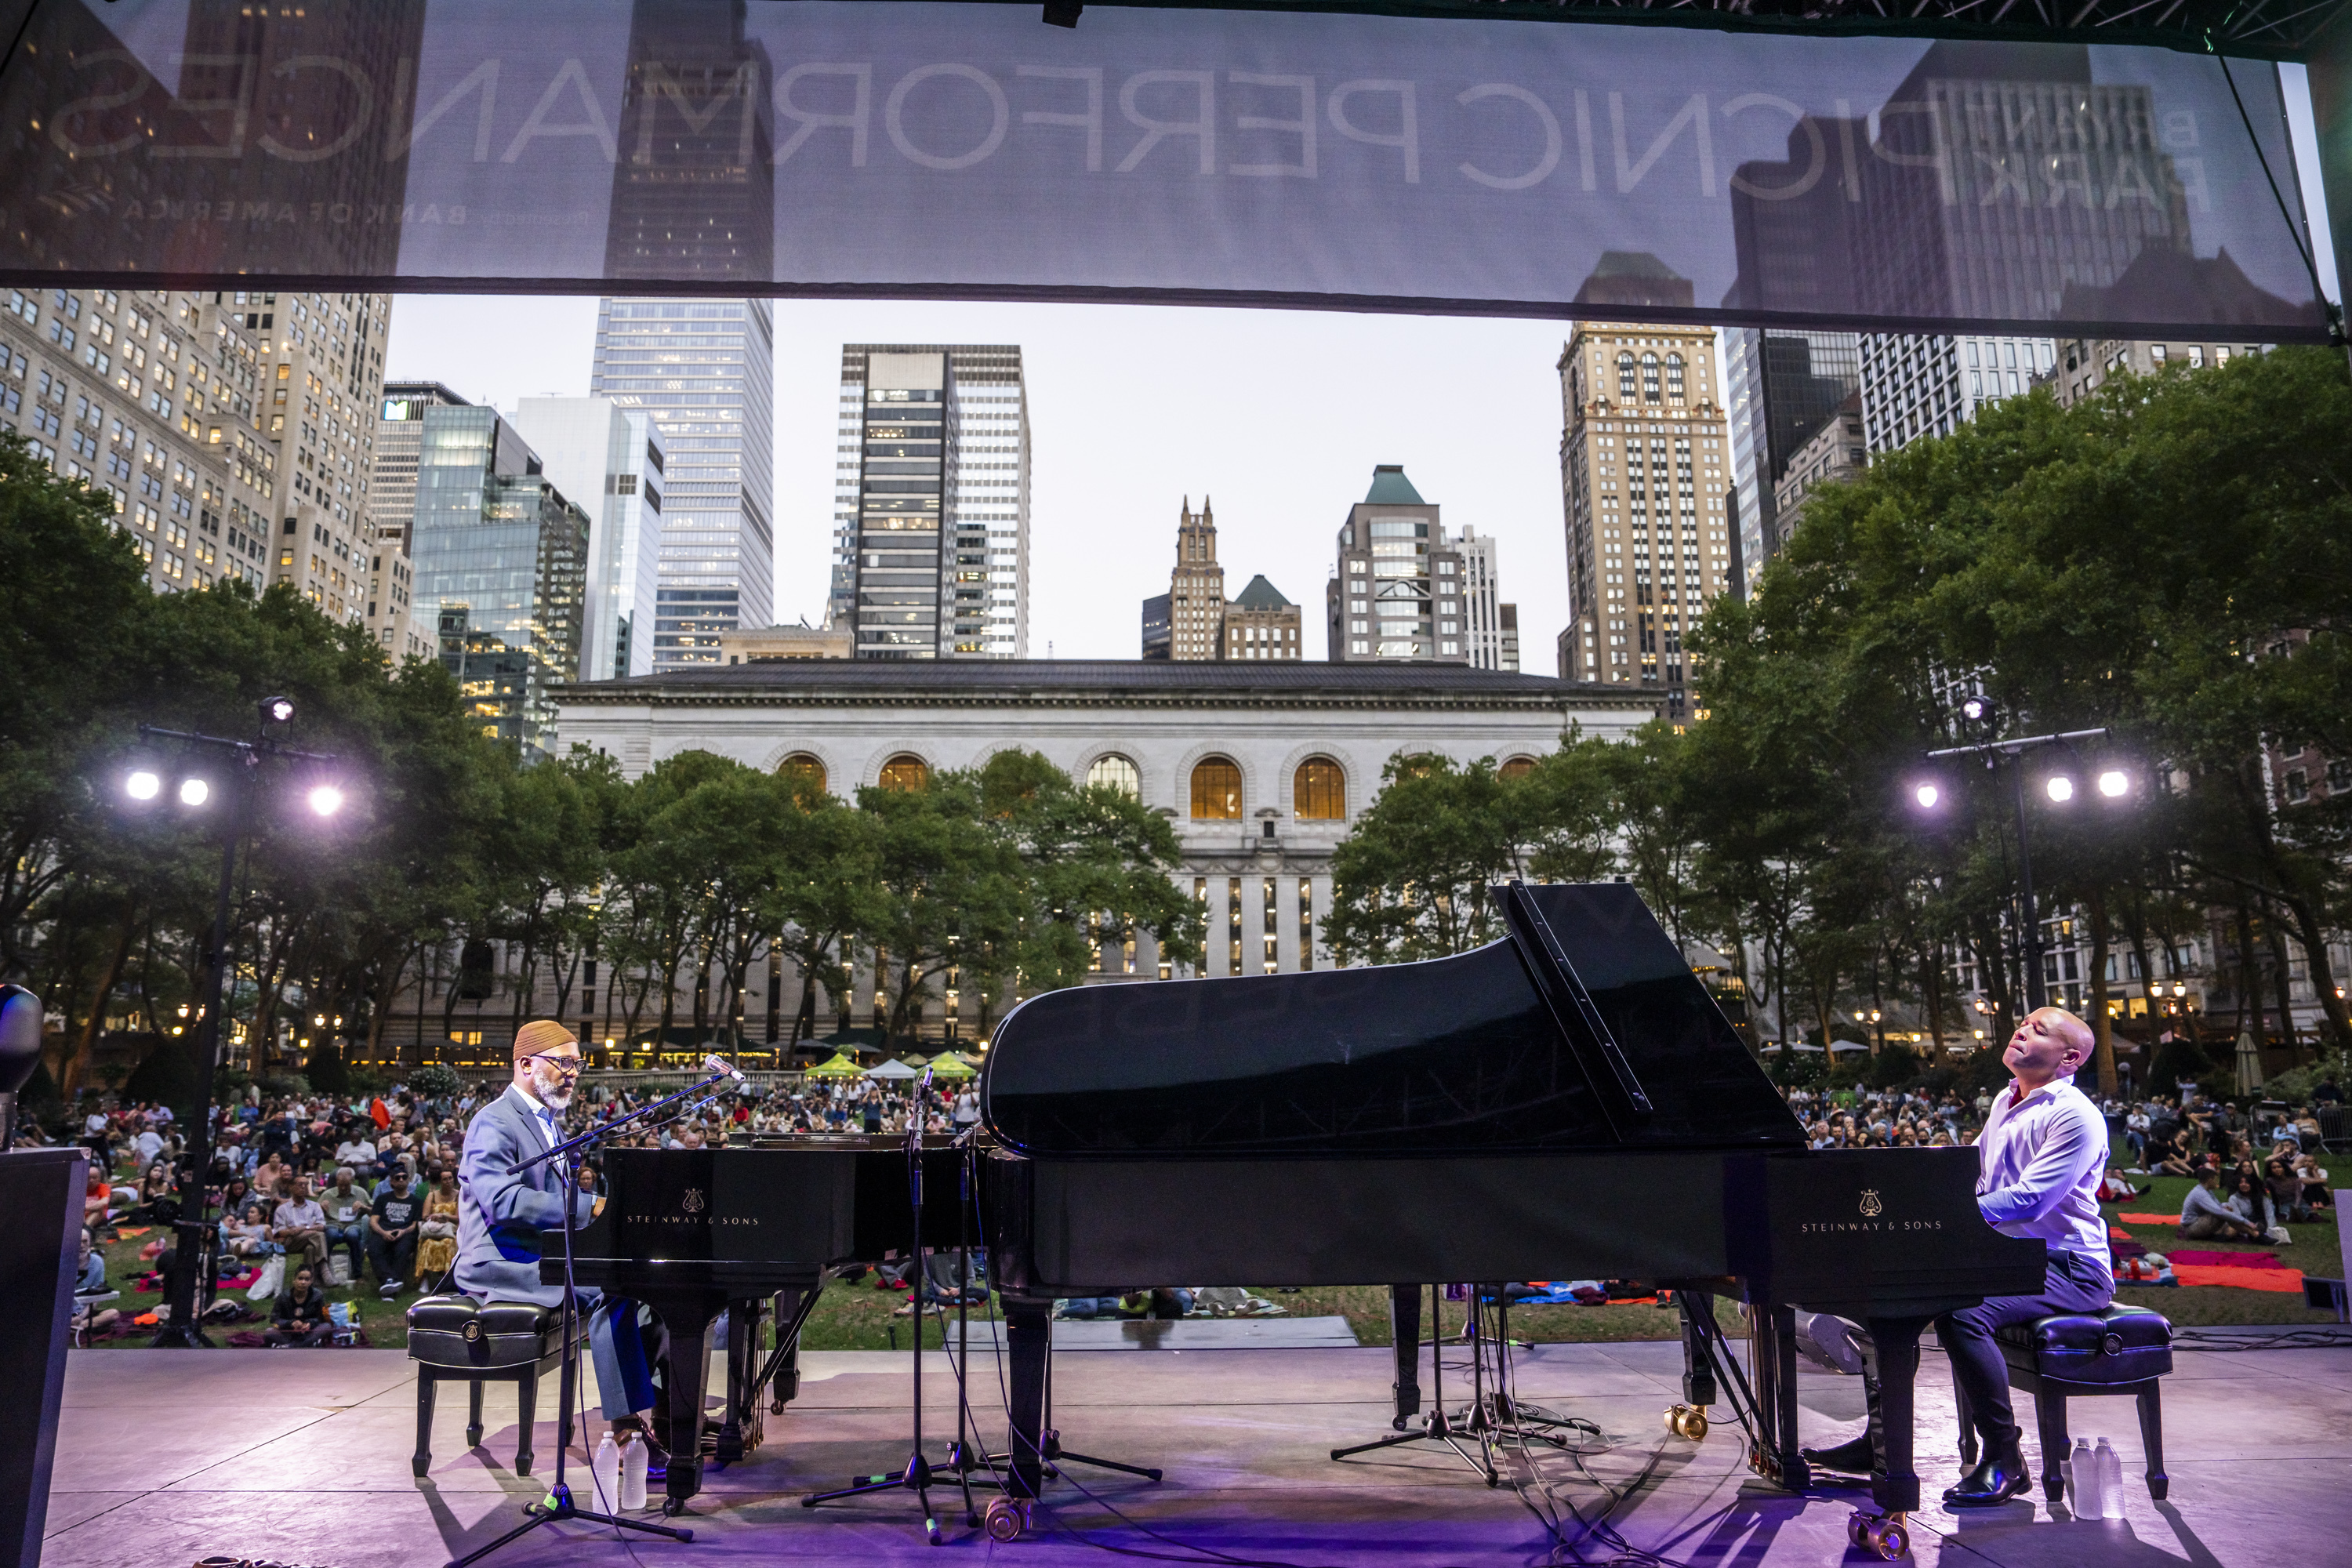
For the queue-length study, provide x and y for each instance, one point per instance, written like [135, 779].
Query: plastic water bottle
[605, 1474]
[2111, 1481]
[634, 1461]
[2082, 1469]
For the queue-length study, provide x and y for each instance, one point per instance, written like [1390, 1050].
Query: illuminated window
[806, 773]
[1216, 791]
[1625, 376]
[1649, 378]
[906, 771]
[1114, 771]
[1518, 768]
[1674, 377]
[1319, 791]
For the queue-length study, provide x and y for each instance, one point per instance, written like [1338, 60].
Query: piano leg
[1028, 1339]
[1893, 1484]
[1781, 1461]
[688, 1371]
[1698, 1367]
[1404, 1332]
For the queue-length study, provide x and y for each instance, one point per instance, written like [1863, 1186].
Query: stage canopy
[2015, 170]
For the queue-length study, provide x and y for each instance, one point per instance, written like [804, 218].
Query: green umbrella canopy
[948, 1064]
[840, 1065]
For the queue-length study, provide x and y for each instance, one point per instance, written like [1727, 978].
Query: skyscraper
[1645, 481]
[1492, 626]
[1196, 588]
[1914, 385]
[931, 501]
[608, 460]
[393, 618]
[1780, 388]
[501, 567]
[704, 369]
[1397, 594]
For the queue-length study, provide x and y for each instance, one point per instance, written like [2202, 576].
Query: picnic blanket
[2288, 1281]
[2228, 1260]
[2149, 1218]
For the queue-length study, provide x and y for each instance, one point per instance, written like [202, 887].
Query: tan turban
[541, 1034]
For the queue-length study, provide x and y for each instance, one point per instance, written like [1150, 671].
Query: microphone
[725, 1068]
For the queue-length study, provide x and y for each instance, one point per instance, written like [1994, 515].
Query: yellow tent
[839, 1067]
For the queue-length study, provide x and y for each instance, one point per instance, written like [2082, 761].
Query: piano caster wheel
[1885, 1536]
[672, 1507]
[1687, 1421]
[1008, 1519]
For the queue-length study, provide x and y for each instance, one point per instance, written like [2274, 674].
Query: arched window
[906, 771]
[1517, 768]
[1674, 377]
[804, 772]
[1216, 791]
[1318, 791]
[1650, 378]
[1625, 376]
[1117, 773]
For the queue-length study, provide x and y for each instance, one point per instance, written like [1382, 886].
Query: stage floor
[168, 1457]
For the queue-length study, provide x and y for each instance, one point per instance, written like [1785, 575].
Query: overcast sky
[1277, 415]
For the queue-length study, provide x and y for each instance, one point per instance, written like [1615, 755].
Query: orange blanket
[2149, 1218]
[2286, 1280]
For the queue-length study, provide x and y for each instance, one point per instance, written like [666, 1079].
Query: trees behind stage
[2170, 559]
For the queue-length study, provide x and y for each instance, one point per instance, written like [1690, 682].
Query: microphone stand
[558, 1506]
[918, 1477]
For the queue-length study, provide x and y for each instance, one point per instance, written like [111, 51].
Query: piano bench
[2118, 1350]
[455, 1338]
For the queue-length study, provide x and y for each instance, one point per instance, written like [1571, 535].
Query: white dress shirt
[2038, 1167]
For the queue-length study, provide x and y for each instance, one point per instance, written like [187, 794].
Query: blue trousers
[623, 1351]
[2072, 1283]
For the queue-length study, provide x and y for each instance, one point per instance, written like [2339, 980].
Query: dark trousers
[2074, 1283]
[390, 1258]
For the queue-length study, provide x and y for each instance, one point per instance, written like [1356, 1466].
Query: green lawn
[857, 1316]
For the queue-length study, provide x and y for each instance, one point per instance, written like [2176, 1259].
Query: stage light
[2114, 782]
[1927, 795]
[194, 792]
[142, 785]
[1980, 712]
[2061, 788]
[278, 710]
[325, 799]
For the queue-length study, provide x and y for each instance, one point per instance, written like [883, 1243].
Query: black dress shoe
[1853, 1457]
[1997, 1478]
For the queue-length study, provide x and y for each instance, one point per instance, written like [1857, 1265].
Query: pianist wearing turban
[502, 1210]
[2039, 1161]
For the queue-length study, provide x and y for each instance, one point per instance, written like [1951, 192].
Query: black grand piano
[1565, 1103]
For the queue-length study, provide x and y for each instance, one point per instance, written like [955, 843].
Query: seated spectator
[299, 1317]
[299, 1225]
[2167, 1157]
[2205, 1216]
[157, 1199]
[94, 1197]
[89, 1266]
[436, 1244]
[2284, 1190]
[356, 1150]
[391, 1235]
[348, 1207]
[246, 1235]
[2250, 1202]
[2314, 1177]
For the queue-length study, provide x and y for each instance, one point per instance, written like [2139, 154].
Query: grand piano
[1567, 1103]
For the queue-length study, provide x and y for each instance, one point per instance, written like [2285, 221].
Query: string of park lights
[1931, 796]
[200, 770]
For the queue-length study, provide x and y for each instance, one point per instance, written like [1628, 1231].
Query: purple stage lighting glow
[194, 792]
[325, 799]
[2114, 782]
[2061, 788]
[142, 785]
[1927, 795]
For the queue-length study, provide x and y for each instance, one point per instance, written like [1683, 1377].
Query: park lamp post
[1931, 796]
[203, 769]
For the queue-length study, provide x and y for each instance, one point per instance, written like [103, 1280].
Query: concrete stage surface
[166, 1457]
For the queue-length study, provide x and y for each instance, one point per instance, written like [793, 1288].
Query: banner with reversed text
[1318, 160]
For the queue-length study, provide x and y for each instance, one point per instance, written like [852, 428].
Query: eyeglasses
[568, 1065]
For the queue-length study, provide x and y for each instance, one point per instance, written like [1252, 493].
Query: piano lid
[1461, 1054]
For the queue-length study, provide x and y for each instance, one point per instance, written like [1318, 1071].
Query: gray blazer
[501, 1211]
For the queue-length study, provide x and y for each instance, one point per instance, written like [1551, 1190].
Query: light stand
[1437, 1427]
[917, 1476]
[558, 1506]
[181, 1327]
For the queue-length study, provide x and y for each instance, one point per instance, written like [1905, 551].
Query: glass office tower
[704, 369]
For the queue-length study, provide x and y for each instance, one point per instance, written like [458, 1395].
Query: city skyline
[1129, 407]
